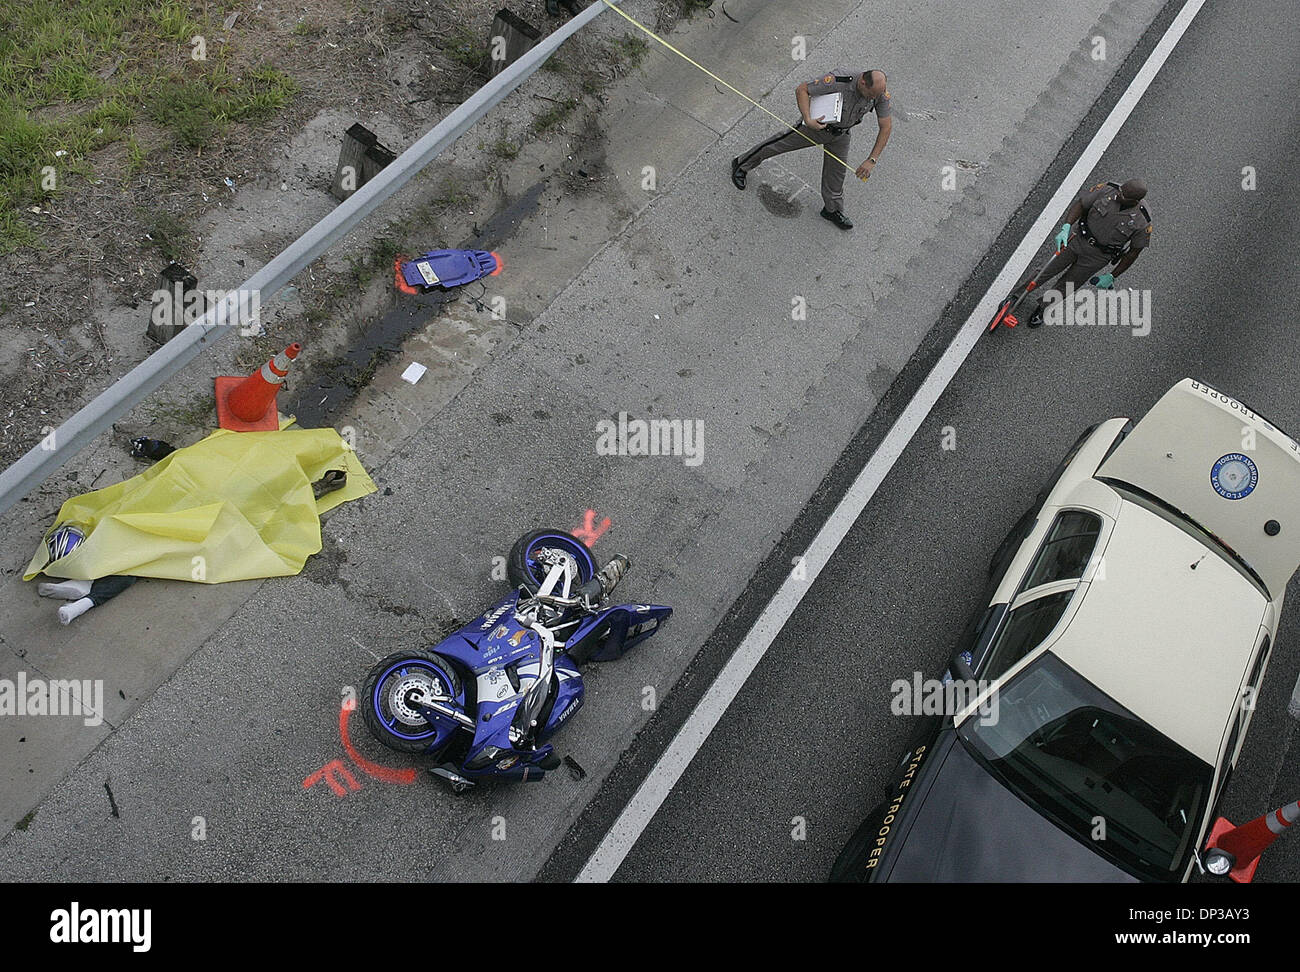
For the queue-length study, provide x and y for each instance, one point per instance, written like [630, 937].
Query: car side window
[1252, 683]
[1238, 721]
[1066, 549]
[1024, 630]
[1250, 694]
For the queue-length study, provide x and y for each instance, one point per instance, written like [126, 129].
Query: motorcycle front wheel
[386, 703]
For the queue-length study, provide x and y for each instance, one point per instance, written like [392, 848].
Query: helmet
[64, 539]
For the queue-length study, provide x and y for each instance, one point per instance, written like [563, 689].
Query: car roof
[1167, 640]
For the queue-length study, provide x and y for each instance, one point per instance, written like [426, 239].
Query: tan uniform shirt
[855, 106]
[1110, 225]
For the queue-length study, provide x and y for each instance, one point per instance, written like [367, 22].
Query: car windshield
[1094, 768]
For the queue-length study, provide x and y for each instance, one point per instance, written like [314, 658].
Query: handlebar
[593, 591]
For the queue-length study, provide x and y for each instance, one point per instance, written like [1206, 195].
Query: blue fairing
[616, 629]
[492, 640]
[449, 268]
[568, 698]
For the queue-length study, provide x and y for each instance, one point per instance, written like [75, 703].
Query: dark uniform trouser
[1080, 260]
[832, 172]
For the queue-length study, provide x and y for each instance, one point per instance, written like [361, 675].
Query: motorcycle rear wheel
[524, 571]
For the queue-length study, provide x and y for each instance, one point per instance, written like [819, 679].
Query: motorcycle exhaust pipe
[606, 579]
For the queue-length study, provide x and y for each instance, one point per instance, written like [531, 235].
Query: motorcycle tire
[395, 725]
[524, 571]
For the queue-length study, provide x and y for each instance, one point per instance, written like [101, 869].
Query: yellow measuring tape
[646, 30]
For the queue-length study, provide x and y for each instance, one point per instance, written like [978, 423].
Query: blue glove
[1105, 282]
[1063, 237]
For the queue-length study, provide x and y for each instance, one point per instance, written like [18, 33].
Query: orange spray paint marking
[589, 533]
[335, 774]
[383, 774]
[398, 279]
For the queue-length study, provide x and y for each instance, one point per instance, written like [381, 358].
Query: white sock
[69, 590]
[74, 610]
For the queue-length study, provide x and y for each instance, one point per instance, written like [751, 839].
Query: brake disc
[426, 683]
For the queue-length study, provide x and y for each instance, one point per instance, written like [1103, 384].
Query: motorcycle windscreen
[1224, 466]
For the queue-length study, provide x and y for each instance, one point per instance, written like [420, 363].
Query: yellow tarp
[234, 506]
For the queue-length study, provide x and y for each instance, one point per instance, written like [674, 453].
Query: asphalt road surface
[209, 764]
[811, 736]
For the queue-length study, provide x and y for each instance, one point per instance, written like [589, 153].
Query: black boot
[838, 218]
[737, 174]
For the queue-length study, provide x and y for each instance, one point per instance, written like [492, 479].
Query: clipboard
[828, 107]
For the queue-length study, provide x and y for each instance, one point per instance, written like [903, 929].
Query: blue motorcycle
[486, 699]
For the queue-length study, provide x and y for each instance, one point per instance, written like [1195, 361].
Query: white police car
[1131, 617]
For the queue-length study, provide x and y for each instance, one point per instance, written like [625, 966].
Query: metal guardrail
[132, 388]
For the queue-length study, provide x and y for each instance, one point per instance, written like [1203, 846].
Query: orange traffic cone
[1247, 842]
[248, 404]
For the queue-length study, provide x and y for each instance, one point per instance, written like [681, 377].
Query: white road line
[667, 771]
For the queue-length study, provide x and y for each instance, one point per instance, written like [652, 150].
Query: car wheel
[1010, 543]
[850, 866]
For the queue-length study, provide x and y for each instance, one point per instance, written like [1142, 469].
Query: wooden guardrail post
[361, 158]
[511, 38]
[168, 313]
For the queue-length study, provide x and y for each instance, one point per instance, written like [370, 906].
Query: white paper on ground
[414, 372]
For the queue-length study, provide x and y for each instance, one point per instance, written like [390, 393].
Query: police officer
[1105, 224]
[862, 93]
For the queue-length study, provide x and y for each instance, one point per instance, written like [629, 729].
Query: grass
[255, 351]
[197, 110]
[554, 116]
[689, 8]
[135, 156]
[173, 22]
[453, 193]
[26, 821]
[196, 413]
[358, 378]
[632, 49]
[384, 250]
[360, 273]
[504, 148]
[171, 236]
[465, 49]
[76, 77]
